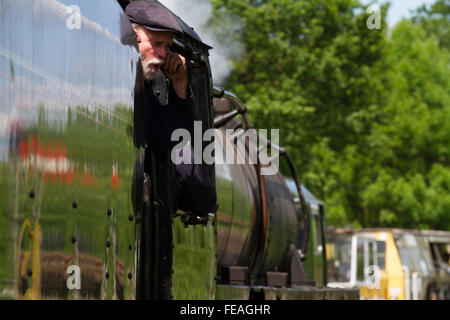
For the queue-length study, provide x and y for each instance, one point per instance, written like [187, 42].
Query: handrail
[415, 286]
[407, 286]
[353, 261]
[221, 93]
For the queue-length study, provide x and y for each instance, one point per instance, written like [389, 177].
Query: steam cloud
[196, 13]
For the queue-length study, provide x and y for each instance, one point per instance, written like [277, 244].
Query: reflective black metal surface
[68, 227]
[257, 218]
[66, 84]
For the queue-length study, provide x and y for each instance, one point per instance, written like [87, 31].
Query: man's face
[154, 48]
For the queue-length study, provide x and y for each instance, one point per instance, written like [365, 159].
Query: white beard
[149, 73]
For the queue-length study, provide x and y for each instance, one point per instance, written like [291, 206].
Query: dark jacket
[154, 123]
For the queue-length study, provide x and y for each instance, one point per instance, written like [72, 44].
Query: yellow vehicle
[395, 264]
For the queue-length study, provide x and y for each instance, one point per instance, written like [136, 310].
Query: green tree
[436, 21]
[410, 152]
[364, 113]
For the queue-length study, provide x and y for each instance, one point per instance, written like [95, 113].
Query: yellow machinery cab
[395, 264]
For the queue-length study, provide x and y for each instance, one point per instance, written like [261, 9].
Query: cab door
[365, 268]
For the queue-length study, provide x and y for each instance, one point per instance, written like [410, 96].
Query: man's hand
[175, 69]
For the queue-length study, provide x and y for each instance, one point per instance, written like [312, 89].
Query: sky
[400, 8]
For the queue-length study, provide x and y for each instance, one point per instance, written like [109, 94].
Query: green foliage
[436, 21]
[414, 133]
[364, 113]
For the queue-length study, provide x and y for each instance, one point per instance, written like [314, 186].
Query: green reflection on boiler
[194, 261]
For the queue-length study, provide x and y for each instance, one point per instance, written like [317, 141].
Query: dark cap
[152, 16]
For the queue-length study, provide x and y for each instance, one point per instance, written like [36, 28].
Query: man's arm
[175, 69]
[184, 108]
[180, 93]
[162, 120]
[179, 113]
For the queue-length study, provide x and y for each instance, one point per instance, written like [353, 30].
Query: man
[155, 28]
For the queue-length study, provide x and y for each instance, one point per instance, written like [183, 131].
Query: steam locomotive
[79, 219]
